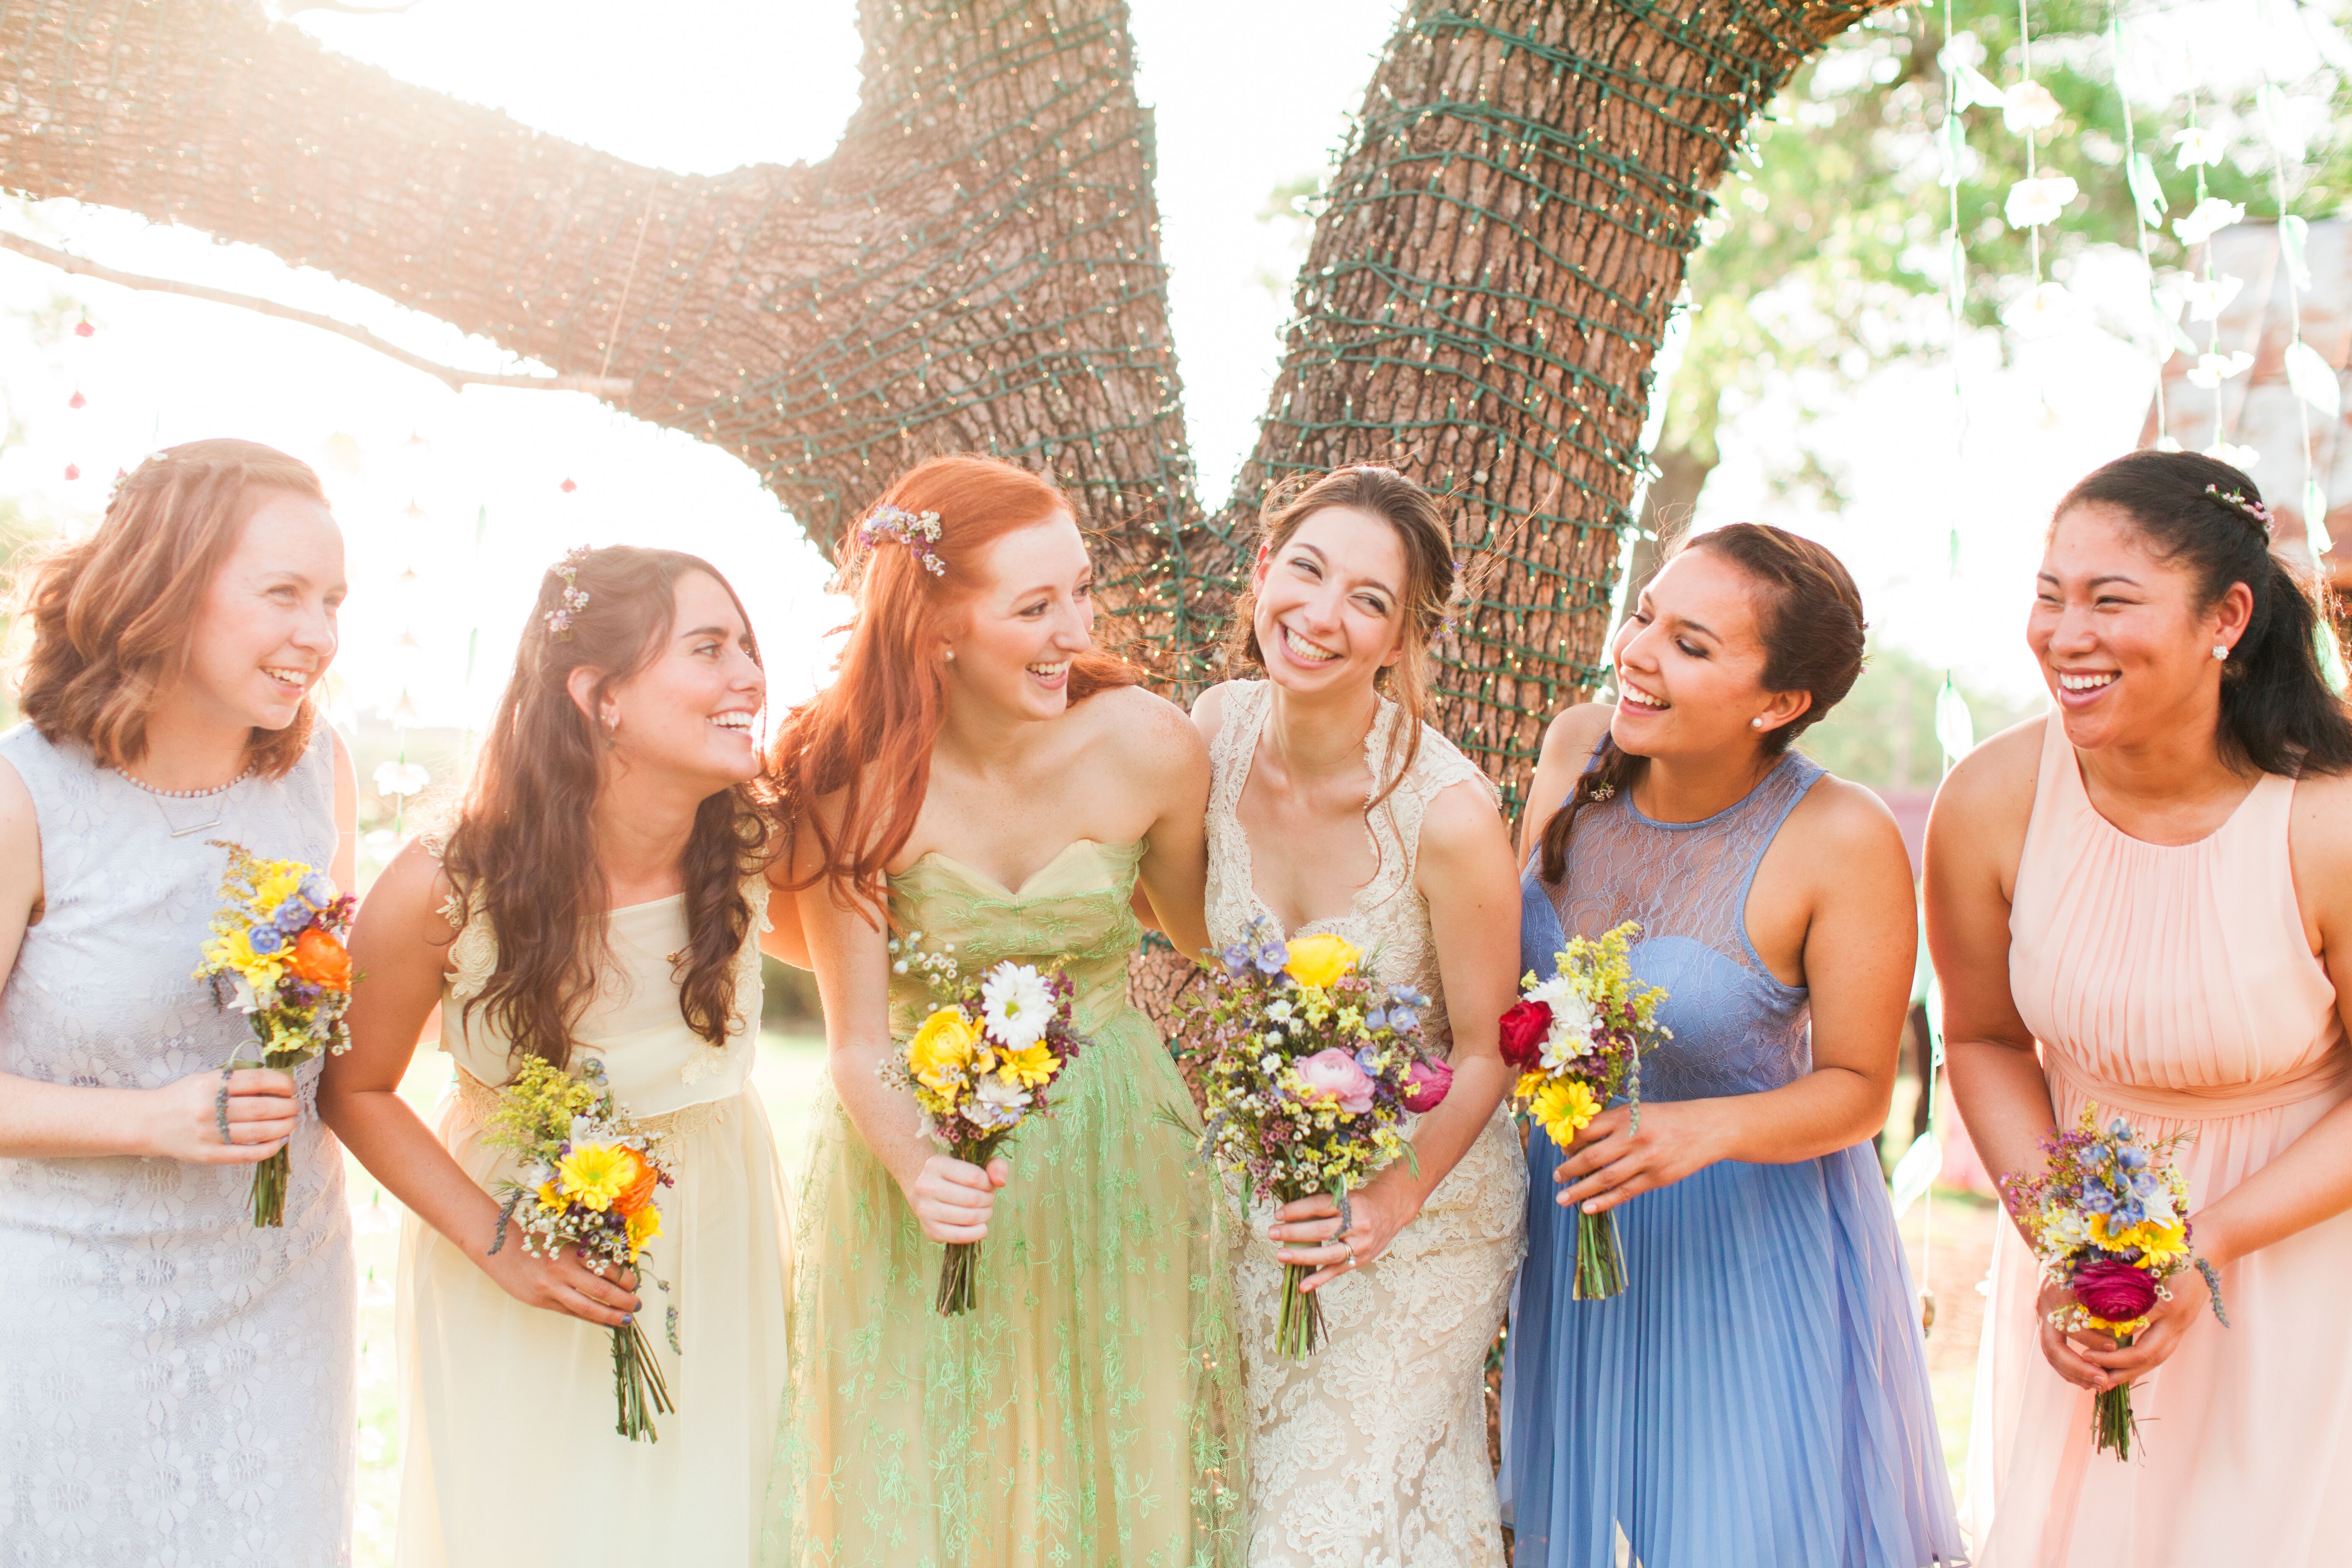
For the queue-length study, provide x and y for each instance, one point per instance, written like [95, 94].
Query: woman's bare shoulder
[1574, 732]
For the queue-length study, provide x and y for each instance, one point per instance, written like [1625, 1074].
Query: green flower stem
[957, 1266]
[637, 1385]
[1299, 1332]
[2112, 1414]
[1600, 1263]
[269, 1190]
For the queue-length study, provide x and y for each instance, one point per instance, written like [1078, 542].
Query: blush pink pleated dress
[2175, 985]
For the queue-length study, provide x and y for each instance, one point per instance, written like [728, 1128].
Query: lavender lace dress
[176, 1385]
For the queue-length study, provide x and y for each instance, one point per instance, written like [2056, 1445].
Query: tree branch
[457, 379]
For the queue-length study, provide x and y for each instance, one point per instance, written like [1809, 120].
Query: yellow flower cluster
[2164, 1241]
[1562, 1107]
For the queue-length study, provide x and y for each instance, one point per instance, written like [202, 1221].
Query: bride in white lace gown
[1372, 1453]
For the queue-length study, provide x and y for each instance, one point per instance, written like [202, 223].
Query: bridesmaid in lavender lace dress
[175, 1384]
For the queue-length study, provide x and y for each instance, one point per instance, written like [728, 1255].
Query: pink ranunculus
[1425, 1086]
[2117, 1292]
[1334, 1072]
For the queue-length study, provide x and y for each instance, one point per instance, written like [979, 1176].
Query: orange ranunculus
[319, 959]
[638, 1191]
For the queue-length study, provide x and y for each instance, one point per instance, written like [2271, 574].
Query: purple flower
[1236, 957]
[318, 890]
[292, 916]
[1376, 1018]
[266, 938]
[1404, 1020]
[1272, 957]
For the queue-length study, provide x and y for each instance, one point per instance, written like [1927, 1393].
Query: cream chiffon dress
[1372, 1453]
[509, 1455]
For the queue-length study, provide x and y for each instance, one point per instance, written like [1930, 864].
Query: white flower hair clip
[575, 598]
[918, 532]
[2253, 511]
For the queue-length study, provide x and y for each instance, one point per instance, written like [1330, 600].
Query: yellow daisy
[1564, 1107]
[594, 1174]
[1028, 1067]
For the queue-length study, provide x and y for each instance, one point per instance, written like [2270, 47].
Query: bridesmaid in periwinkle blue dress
[1758, 1397]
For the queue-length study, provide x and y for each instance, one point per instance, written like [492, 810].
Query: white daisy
[1017, 1003]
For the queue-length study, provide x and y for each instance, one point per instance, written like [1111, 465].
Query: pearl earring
[1757, 723]
[952, 653]
[2221, 650]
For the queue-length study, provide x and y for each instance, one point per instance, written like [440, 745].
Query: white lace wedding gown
[1372, 1454]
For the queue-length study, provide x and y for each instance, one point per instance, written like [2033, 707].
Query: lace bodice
[1736, 1029]
[1387, 916]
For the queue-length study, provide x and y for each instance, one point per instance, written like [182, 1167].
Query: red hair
[864, 741]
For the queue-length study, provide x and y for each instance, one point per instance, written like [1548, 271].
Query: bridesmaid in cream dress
[599, 900]
[1373, 1452]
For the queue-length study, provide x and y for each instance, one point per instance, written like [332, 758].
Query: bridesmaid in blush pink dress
[2144, 902]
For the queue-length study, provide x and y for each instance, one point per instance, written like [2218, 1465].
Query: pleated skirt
[1756, 1398]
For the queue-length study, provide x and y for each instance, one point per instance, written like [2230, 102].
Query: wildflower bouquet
[982, 1062]
[1576, 1042]
[1308, 1064]
[2108, 1219]
[277, 953]
[588, 1181]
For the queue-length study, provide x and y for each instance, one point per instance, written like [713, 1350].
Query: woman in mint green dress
[978, 774]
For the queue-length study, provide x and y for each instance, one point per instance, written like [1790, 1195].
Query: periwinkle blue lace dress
[1758, 1397]
[176, 1385]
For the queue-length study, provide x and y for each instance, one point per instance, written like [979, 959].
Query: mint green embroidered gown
[1088, 1412]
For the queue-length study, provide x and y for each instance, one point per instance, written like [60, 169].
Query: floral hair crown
[575, 598]
[2253, 511]
[918, 532]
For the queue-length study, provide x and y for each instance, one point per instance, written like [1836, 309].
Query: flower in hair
[2253, 511]
[918, 532]
[575, 597]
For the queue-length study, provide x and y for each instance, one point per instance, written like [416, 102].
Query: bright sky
[452, 503]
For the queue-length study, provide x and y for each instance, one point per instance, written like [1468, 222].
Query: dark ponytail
[2277, 714]
[1814, 634]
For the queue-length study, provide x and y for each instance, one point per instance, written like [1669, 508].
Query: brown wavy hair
[866, 741]
[1429, 597]
[113, 615]
[520, 849]
[1814, 638]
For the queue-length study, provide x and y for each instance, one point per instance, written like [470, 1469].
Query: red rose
[2115, 1292]
[1524, 1028]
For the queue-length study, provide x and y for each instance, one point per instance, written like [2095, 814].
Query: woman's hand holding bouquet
[1310, 1066]
[2108, 1219]
[277, 954]
[1576, 1041]
[980, 1065]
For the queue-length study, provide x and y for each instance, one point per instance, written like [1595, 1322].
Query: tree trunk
[978, 267]
[1668, 508]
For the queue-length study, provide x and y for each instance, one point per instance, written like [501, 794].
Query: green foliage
[1884, 733]
[1828, 252]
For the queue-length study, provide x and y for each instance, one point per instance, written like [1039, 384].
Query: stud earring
[950, 654]
[1757, 723]
[2221, 650]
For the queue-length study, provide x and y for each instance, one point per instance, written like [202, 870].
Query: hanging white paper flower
[2034, 202]
[2197, 145]
[2028, 106]
[2242, 458]
[2037, 314]
[2209, 217]
[2208, 297]
[1970, 89]
[401, 778]
[2313, 379]
[2211, 370]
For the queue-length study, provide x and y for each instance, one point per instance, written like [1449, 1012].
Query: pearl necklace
[159, 795]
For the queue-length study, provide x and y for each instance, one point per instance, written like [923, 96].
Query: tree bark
[978, 267]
